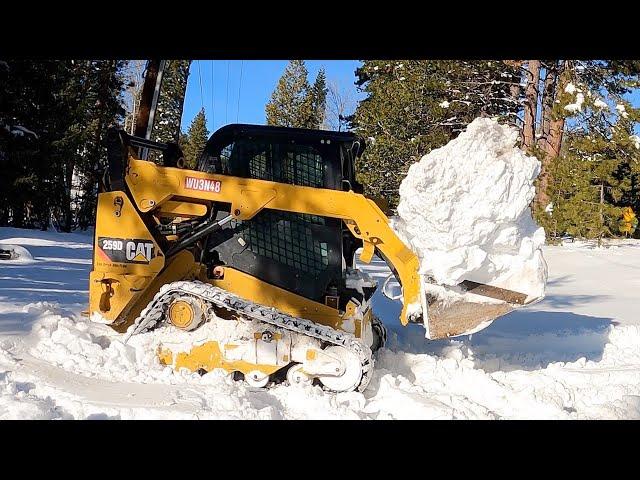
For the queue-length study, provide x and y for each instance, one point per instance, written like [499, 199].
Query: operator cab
[305, 254]
[298, 156]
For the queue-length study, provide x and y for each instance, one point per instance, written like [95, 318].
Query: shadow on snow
[525, 339]
[59, 274]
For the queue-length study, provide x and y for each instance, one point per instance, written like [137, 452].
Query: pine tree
[291, 103]
[595, 172]
[318, 94]
[68, 105]
[593, 179]
[106, 78]
[195, 139]
[34, 173]
[560, 88]
[415, 106]
[183, 142]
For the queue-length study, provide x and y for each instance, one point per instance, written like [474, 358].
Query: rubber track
[153, 315]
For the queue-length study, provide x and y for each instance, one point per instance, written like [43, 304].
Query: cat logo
[121, 250]
[139, 252]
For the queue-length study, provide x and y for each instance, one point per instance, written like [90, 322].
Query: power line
[226, 101]
[239, 91]
[200, 77]
[213, 92]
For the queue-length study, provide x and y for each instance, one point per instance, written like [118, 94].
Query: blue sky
[259, 78]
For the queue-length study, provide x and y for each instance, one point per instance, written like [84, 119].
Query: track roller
[352, 374]
[256, 379]
[185, 313]
[296, 376]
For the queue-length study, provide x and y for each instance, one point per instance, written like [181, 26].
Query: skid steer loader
[251, 256]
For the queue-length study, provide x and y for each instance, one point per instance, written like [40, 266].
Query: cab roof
[243, 129]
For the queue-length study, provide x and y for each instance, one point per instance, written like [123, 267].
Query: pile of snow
[80, 346]
[18, 253]
[457, 384]
[464, 209]
[458, 379]
[74, 346]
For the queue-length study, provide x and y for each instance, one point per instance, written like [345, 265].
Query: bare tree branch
[340, 104]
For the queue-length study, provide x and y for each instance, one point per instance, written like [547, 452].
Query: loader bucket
[460, 317]
[457, 317]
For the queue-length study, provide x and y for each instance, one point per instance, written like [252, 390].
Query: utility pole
[149, 98]
[149, 101]
[131, 117]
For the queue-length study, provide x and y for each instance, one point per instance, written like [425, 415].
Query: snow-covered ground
[574, 355]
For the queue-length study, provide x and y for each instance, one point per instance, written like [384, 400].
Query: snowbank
[457, 380]
[464, 209]
[81, 347]
[19, 254]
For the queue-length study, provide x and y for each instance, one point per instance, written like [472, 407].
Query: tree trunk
[556, 126]
[553, 140]
[18, 214]
[548, 99]
[66, 211]
[531, 103]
